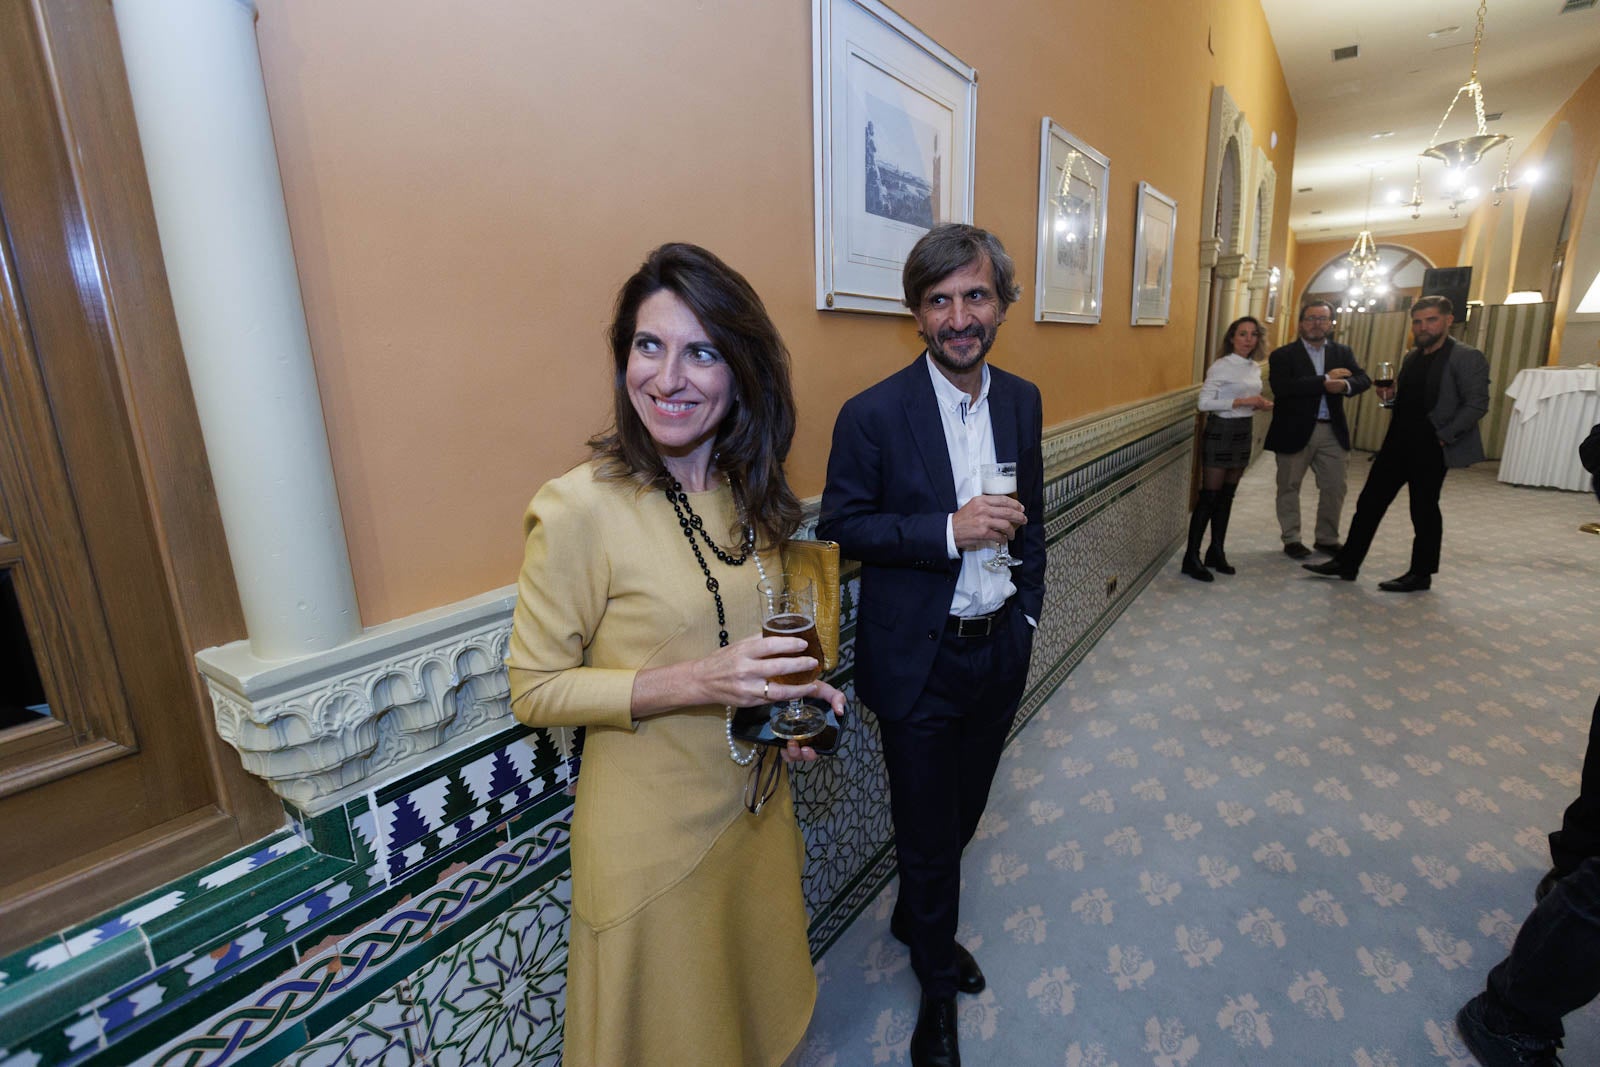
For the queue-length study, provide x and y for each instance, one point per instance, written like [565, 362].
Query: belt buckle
[975, 626]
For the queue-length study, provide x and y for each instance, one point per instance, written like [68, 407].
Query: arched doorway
[1541, 254]
[1401, 268]
[1225, 274]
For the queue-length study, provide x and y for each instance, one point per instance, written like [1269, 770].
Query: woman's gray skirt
[1227, 442]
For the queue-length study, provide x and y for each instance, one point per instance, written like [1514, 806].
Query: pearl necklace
[692, 524]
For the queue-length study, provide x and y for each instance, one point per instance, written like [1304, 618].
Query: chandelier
[1466, 151]
[1462, 154]
[1364, 273]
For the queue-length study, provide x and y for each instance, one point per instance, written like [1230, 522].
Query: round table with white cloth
[1554, 411]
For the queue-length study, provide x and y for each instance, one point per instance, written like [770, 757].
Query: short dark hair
[1233, 328]
[1309, 304]
[949, 247]
[1441, 302]
[755, 435]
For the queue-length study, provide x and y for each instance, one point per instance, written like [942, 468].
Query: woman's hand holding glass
[741, 676]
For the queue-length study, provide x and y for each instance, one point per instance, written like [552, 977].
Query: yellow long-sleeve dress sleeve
[688, 936]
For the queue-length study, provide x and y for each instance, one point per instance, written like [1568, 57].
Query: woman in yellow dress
[634, 617]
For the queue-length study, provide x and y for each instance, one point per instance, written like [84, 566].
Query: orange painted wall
[468, 184]
[1581, 113]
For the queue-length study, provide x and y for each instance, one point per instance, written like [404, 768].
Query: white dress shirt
[1230, 378]
[969, 438]
[1317, 354]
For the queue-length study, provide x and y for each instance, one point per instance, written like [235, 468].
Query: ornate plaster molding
[1233, 265]
[324, 726]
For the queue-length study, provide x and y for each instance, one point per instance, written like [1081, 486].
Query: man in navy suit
[1310, 380]
[942, 642]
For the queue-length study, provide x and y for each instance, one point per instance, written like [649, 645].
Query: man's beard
[949, 362]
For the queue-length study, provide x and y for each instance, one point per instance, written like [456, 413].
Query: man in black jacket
[1441, 392]
[1310, 379]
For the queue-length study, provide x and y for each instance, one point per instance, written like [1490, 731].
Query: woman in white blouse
[1230, 395]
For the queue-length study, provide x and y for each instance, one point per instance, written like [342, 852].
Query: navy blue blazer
[1297, 393]
[889, 493]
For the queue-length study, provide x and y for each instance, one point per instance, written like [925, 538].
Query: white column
[201, 106]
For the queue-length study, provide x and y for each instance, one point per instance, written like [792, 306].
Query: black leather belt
[975, 625]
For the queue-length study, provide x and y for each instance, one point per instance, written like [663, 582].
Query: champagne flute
[999, 479]
[1384, 379]
[789, 609]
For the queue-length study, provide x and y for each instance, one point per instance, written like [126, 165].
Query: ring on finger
[765, 686]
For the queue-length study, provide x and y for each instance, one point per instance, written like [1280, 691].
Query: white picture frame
[1152, 256]
[890, 102]
[1070, 257]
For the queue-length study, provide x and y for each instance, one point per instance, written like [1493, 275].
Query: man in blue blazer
[1310, 379]
[1441, 392]
[942, 642]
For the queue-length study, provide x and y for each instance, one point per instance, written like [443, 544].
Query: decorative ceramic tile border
[385, 950]
[118, 986]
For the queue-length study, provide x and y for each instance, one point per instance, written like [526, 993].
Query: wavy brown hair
[754, 438]
[952, 246]
[1233, 328]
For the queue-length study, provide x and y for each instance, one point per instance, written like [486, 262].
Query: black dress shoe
[1330, 547]
[1218, 562]
[1407, 583]
[1295, 550]
[1331, 569]
[933, 1042]
[969, 976]
[1195, 569]
[1547, 883]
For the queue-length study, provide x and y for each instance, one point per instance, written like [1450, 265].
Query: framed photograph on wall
[893, 129]
[1152, 257]
[1071, 255]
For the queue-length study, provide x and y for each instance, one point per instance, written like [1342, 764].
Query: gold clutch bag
[819, 561]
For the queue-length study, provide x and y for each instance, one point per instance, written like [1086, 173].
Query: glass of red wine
[1383, 381]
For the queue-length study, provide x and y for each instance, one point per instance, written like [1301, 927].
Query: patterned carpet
[1276, 819]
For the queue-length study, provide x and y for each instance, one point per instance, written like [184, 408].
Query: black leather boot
[933, 1041]
[1219, 531]
[1198, 521]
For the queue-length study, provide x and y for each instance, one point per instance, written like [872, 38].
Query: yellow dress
[688, 941]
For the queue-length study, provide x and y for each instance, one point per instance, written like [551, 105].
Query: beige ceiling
[1532, 60]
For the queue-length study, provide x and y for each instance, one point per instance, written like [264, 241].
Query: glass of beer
[999, 479]
[1384, 379]
[789, 609]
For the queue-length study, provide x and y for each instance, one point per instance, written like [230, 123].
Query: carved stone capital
[325, 725]
[1232, 265]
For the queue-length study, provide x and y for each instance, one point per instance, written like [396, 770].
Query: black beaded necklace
[692, 524]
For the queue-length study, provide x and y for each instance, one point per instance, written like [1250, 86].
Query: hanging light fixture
[1465, 152]
[1362, 261]
[1504, 184]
